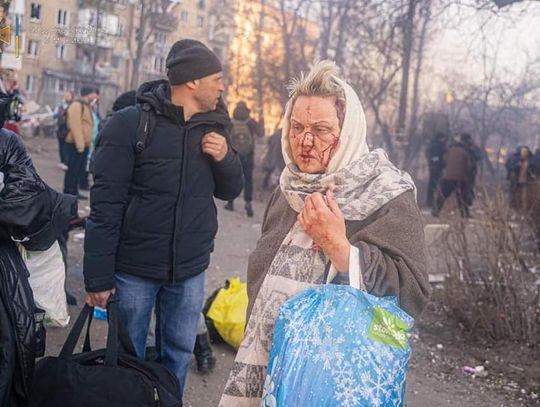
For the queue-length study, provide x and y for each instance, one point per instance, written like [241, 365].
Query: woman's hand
[323, 221]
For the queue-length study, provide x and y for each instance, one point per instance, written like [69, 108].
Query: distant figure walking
[458, 162]
[435, 154]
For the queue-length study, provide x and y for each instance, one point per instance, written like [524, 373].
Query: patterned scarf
[362, 183]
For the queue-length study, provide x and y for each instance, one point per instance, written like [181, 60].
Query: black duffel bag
[107, 377]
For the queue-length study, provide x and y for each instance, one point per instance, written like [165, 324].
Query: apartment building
[68, 43]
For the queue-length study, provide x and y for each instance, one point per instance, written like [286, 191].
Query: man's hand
[99, 299]
[323, 221]
[215, 145]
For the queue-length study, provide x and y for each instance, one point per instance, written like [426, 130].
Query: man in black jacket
[153, 219]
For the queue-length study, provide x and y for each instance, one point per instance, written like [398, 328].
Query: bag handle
[116, 332]
[111, 352]
[86, 346]
[355, 279]
[75, 333]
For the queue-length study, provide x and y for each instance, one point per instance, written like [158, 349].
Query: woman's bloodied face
[314, 133]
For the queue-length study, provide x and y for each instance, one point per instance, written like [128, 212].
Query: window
[33, 48]
[115, 61]
[120, 31]
[160, 37]
[35, 11]
[184, 16]
[212, 27]
[60, 86]
[201, 4]
[159, 64]
[31, 83]
[60, 51]
[200, 21]
[55, 84]
[62, 19]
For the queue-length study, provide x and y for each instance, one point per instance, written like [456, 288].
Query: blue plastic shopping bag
[338, 346]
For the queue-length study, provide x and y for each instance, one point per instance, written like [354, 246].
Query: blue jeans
[178, 308]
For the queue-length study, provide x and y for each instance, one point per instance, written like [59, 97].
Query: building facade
[68, 43]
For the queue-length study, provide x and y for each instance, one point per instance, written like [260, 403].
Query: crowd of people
[453, 168]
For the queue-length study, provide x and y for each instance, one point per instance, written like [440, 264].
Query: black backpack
[146, 126]
[62, 124]
[105, 377]
[242, 139]
[145, 129]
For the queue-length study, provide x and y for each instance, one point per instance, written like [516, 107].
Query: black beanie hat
[87, 89]
[189, 60]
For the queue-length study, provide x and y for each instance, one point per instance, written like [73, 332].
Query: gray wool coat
[391, 243]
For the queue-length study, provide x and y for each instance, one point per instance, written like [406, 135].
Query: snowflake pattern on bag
[322, 355]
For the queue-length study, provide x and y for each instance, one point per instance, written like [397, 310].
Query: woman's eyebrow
[313, 124]
[321, 122]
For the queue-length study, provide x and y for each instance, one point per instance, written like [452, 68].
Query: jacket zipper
[180, 198]
[179, 201]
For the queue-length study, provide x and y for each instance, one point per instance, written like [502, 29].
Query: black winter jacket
[17, 329]
[153, 213]
[30, 211]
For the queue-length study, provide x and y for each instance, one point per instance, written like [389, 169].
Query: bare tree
[335, 17]
[414, 139]
[408, 36]
[282, 40]
[151, 15]
[144, 32]
[375, 69]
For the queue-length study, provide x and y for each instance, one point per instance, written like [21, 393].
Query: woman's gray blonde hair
[320, 81]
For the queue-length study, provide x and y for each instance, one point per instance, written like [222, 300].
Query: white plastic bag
[47, 277]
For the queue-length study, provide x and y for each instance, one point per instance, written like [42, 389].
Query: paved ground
[428, 384]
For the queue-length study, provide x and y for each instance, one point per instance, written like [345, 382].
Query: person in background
[96, 122]
[521, 175]
[435, 154]
[60, 114]
[244, 132]
[455, 178]
[80, 125]
[475, 154]
[273, 162]
[535, 163]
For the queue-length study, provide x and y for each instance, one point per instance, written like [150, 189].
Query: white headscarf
[352, 139]
[362, 181]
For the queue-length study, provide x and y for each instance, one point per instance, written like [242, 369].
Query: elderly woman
[337, 203]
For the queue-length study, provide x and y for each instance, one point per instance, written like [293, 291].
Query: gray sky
[458, 46]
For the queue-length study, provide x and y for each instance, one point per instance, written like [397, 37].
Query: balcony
[164, 22]
[106, 28]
